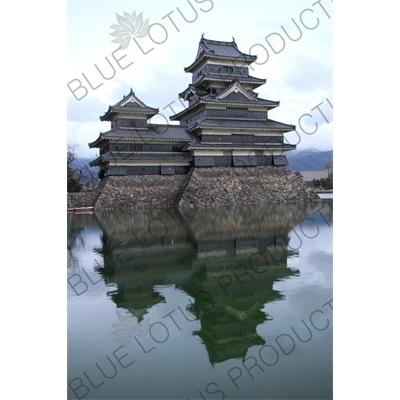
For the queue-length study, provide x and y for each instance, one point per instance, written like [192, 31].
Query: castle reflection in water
[227, 260]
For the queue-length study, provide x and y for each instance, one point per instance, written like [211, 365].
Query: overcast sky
[298, 71]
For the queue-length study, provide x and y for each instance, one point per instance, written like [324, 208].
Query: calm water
[233, 303]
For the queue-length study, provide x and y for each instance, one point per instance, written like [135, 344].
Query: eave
[178, 116]
[107, 116]
[233, 128]
[255, 83]
[204, 56]
[223, 103]
[97, 162]
[137, 140]
[238, 147]
[97, 142]
[130, 156]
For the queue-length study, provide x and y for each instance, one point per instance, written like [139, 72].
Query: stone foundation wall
[202, 187]
[86, 198]
[140, 192]
[221, 186]
[81, 199]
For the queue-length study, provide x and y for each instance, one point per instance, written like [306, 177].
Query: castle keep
[225, 141]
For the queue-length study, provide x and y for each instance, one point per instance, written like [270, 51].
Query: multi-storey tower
[230, 122]
[135, 147]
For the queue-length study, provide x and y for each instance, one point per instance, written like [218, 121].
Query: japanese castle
[225, 123]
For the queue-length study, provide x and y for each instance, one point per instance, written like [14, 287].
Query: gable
[130, 101]
[236, 90]
[236, 96]
[199, 51]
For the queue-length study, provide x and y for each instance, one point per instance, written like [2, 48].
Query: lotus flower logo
[128, 328]
[130, 26]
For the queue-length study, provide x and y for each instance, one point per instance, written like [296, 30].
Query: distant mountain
[79, 162]
[309, 159]
[89, 175]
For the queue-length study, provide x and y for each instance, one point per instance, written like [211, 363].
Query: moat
[233, 302]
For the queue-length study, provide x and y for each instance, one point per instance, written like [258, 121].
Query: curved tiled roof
[219, 49]
[197, 145]
[153, 133]
[129, 104]
[241, 124]
[142, 156]
[233, 99]
[210, 76]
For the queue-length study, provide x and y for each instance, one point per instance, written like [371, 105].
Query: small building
[225, 123]
[309, 176]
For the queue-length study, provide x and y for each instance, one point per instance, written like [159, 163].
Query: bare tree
[71, 149]
[84, 175]
[73, 176]
[89, 179]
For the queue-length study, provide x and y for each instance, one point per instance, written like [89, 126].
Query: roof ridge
[203, 39]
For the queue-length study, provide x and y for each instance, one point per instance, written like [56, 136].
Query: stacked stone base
[202, 187]
[223, 186]
[81, 199]
[140, 192]
[86, 198]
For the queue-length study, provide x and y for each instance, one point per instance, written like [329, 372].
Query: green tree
[327, 184]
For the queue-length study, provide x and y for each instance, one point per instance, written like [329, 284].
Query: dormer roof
[234, 88]
[189, 92]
